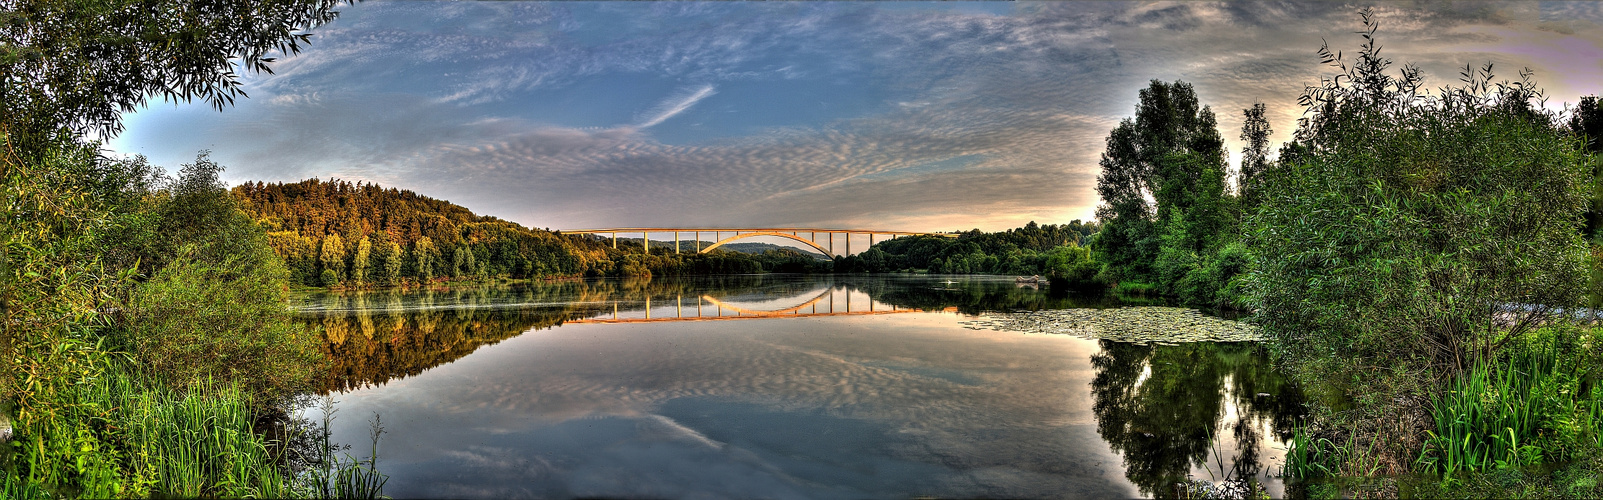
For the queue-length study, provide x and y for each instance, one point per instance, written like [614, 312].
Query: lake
[784, 386]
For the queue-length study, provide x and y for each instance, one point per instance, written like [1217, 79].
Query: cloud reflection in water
[869, 406]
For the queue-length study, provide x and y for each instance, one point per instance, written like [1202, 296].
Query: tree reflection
[373, 339]
[374, 336]
[975, 296]
[1162, 407]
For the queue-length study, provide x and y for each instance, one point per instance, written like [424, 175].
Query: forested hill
[354, 234]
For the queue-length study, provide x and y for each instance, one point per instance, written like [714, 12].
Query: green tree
[364, 252]
[426, 255]
[392, 263]
[1163, 154]
[333, 259]
[463, 263]
[1255, 132]
[1586, 122]
[1071, 265]
[75, 224]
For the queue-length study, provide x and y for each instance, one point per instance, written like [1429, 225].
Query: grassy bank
[1525, 424]
[116, 433]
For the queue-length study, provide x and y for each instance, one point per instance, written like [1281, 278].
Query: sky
[865, 115]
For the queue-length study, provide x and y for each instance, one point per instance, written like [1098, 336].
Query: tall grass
[201, 444]
[1136, 289]
[1311, 457]
[117, 433]
[1529, 409]
[332, 475]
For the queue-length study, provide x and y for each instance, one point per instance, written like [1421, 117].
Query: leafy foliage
[1023, 251]
[105, 264]
[1167, 211]
[1405, 237]
[72, 67]
[1416, 229]
[1540, 404]
[1164, 154]
[1586, 123]
[1255, 159]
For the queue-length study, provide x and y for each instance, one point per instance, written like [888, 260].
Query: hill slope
[337, 232]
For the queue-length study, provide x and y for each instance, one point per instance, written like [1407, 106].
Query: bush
[1405, 237]
[228, 320]
[1072, 265]
[217, 307]
[1408, 229]
[1136, 289]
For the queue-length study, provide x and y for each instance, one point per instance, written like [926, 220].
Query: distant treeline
[1054, 250]
[343, 234]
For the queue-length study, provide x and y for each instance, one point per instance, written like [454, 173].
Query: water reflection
[1166, 408]
[375, 336]
[642, 393]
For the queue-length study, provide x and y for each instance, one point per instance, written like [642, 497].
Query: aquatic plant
[335, 475]
[1126, 324]
[1529, 409]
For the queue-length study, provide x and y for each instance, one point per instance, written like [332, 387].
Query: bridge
[793, 233]
[708, 308]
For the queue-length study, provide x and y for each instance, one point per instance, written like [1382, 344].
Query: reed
[1312, 457]
[201, 444]
[1309, 457]
[337, 475]
[1509, 414]
[121, 434]
[1136, 289]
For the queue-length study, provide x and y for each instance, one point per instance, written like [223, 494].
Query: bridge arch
[753, 312]
[738, 236]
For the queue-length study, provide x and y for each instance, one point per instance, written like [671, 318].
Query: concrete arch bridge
[806, 235]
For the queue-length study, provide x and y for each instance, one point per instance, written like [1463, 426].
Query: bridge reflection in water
[709, 308]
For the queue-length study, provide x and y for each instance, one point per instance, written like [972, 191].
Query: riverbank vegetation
[145, 345]
[1417, 259]
[151, 337]
[337, 234]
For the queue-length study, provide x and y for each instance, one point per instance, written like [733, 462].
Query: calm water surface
[783, 387]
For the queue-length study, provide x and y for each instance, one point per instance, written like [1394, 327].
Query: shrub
[1073, 266]
[228, 320]
[1404, 228]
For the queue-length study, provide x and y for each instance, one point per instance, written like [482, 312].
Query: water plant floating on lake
[1162, 325]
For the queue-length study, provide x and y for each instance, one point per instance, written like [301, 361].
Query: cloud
[674, 105]
[826, 114]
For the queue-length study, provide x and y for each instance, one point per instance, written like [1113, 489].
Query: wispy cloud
[829, 114]
[675, 104]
